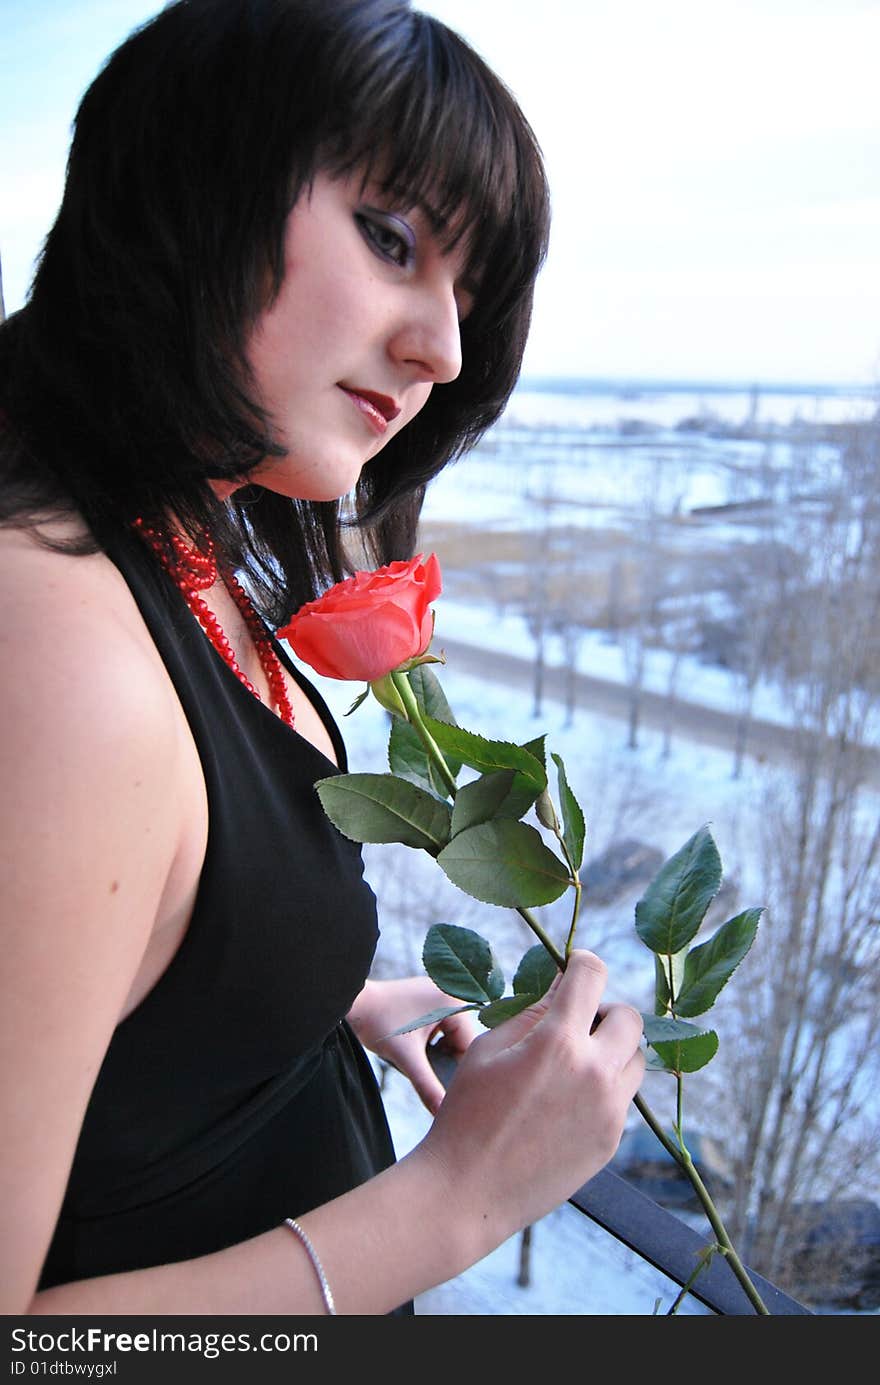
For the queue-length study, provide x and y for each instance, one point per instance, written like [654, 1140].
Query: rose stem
[682, 1157]
[576, 885]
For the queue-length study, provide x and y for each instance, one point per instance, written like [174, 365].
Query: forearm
[380, 1244]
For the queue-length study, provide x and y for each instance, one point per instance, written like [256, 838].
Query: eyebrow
[399, 200]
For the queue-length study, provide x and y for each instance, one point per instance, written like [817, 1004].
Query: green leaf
[479, 801]
[385, 808]
[504, 862]
[662, 965]
[484, 755]
[538, 749]
[688, 1055]
[661, 985]
[408, 759]
[709, 967]
[535, 973]
[501, 1010]
[429, 693]
[520, 795]
[462, 964]
[666, 1028]
[407, 756]
[675, 903]
[573, 825]
[520, 798]
[432, 1017]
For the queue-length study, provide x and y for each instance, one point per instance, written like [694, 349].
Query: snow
[659, 798]
[600, 657]
[666, 406]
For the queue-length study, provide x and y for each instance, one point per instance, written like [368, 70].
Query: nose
[429, 339]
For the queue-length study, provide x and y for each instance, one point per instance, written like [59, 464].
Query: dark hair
[189, 149]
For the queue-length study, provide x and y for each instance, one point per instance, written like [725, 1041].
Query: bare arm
[87, 843]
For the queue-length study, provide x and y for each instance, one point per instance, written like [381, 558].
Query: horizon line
[681, 384]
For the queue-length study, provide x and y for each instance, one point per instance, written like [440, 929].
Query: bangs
[434, 128]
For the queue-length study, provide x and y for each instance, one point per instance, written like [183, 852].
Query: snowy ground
[666, 407]
[603, 658]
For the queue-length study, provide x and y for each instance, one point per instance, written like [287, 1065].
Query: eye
[389, 237]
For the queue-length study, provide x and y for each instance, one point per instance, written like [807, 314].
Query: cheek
[418, 398]
[262, 356]
[275, 357]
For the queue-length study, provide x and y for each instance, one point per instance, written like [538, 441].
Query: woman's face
[365, 324]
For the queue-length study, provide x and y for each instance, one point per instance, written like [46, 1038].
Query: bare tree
[800, 1087]
[574, 609]
[679, 635]
[536, 609]
[801, 1084]
[637, 620]
[649, 585]
[762, 574]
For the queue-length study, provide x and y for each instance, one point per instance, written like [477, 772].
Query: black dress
[235, 1094]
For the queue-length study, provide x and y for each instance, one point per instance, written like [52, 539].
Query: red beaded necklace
[194, 570]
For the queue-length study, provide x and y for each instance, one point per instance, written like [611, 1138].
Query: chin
[334, 483]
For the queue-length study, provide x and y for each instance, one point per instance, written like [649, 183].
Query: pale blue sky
[714, 167]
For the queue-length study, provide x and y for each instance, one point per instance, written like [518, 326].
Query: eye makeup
[388, 235]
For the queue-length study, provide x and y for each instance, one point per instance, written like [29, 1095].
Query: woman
[293, 264]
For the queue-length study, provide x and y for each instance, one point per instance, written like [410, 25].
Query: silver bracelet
[326, 1292]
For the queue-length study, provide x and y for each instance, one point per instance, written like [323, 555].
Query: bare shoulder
[72, 620]
[87, 714]
[89, 759]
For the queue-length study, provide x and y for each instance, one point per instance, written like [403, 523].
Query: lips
[378, 409]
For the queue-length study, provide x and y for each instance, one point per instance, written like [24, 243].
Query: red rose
[369, 624]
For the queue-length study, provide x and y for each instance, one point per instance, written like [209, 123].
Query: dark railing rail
[673, 1247]
[661, 1238]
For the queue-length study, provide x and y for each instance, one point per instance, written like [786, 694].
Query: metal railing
[672, 1247]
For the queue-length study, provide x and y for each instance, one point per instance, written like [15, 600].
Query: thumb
[511, 1031]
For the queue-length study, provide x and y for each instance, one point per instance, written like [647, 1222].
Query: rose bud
[363, 628]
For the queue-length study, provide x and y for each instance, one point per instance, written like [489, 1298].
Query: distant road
[767, 740]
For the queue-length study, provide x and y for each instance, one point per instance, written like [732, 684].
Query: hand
[538, 1105]
[384, 1006]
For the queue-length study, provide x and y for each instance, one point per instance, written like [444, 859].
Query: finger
[619, 1031]
[634, 1072]
[456, 1035]
[512, 1030]
[573, 996]
[577, 996]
